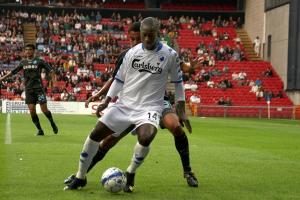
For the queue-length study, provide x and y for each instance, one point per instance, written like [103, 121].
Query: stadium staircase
[29, 33]
[248, 45]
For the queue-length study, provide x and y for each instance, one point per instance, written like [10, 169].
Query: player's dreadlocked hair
[135, 27]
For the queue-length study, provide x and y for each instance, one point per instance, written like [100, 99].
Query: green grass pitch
[233, 159]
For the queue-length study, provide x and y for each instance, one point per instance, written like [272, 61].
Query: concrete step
[29, 33]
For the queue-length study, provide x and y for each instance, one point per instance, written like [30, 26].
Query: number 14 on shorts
[153, 116]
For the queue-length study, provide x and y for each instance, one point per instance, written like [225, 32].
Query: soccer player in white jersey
[140, 84]
[169, 120]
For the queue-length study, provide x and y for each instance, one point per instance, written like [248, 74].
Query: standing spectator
[256, 44]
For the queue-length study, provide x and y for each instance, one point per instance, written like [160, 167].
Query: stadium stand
[83, 48]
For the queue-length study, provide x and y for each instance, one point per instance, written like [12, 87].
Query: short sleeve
[175, 71]
[121, 74]
[18, 68]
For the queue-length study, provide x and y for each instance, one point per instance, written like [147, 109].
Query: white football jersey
[145, 73]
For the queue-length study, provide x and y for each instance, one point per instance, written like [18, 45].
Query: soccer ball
[113, 180]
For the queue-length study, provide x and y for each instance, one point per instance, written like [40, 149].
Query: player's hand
[86, 104]
[100, 108]
[90, 99]
[185, 122]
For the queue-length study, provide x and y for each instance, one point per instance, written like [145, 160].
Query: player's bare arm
[5, 76]
[102, 91]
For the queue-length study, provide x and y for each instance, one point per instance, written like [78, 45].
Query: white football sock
[89, 150]
[139, 154]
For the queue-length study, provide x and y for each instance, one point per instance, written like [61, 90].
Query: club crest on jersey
[145, 67]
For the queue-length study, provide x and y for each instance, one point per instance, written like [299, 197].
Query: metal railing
[286, 112]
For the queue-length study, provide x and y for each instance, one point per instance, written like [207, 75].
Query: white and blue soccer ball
[113, 180]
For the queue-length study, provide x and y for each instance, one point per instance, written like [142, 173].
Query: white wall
[255, 19]
[277, 25]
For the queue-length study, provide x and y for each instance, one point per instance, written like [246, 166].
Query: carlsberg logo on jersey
[142, 67]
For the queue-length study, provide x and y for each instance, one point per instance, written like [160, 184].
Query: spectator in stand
[194, 86]
[228, 101]
[17, 90]
[268, 72]
[64, 96]
[279, 94]
[242, 75]
[259, 93]
[76, 89]
[195, 98]
[268, 95]
[256, 45]
[225, 69]
[235, 76]
[258, 82]
[222, 85]
[210, 84]
[72, 97]
[221, 101]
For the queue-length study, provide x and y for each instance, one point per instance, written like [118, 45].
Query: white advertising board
[56, 107]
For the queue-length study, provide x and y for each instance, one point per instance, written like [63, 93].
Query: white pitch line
[8, 130]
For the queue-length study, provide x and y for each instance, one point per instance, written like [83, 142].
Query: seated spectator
[222, 85]
[251, 83]
[279, 94]
[210, 84]
[89, 87]
[228, 83]
[211, 61]
[216, 72]
[221, 101]
[254, 88]
[225, 69]
[195, 98]
[17, 90]
[64, 96]
[242, 75]
[258, 82]
[235, 76]
[194, 86]
[228, 101]
[268, 95]
[268, 72]
[237, 40]
[72, 97]
[76, 89]
[187, 86]
[259, 93]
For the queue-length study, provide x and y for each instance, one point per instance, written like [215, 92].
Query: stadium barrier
[78, 108]
[291, 112]
[56, 107]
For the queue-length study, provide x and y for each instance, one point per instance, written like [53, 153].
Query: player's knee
[144, 141]
[95, 135]
[100, 132]
[32, 111]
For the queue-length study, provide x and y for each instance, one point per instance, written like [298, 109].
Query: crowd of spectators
[75, 44]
